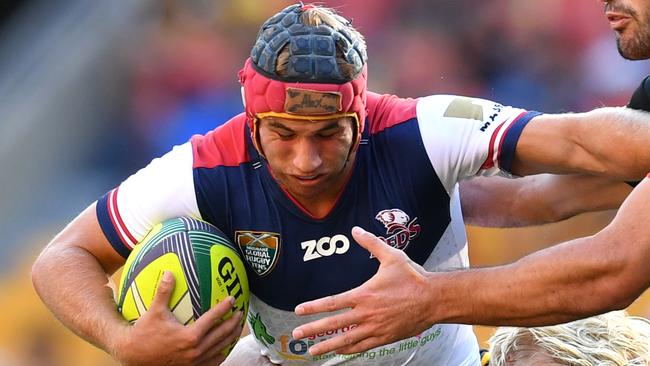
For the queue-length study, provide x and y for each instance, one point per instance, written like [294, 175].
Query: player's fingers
[373, 244]
[218, 360]
[214, 316]
[218, 352]
[346, 339]
[222, 334]
[330, 323]
[213, 359]
[221, 337]
[160, 301]
[361, 346]
[327, 304]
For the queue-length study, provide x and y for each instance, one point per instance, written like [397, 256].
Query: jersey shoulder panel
[162, 190]
[223, 146]
[385, 111]
[467, 136]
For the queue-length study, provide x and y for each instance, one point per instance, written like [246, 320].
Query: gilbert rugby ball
[205, 264]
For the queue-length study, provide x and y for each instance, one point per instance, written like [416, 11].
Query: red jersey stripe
[505, 133]
[489, 161]
[118, 223]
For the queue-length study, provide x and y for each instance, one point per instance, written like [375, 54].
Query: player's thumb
[371, 243]
[164, 291]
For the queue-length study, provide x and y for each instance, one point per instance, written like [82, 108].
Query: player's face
[310, 159]
[630, 19]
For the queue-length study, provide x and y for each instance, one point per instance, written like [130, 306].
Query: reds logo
[399, 228]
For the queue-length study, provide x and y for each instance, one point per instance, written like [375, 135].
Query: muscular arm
[71, 277]
[572, 280]
[609, 142]
[537, 199]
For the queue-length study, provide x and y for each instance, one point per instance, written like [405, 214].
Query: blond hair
[316, 16]
[611, 339]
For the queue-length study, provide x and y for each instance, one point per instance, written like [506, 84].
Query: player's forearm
[608, 141]
[556, 285]
[618, 137]
[75, 288]
[536, 200]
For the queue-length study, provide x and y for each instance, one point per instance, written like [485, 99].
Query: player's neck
[320, 205]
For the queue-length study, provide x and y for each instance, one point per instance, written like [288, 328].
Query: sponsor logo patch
[325, 247]
[261, 249]
[462, 107]
[285, 345]
[400, 229]
[258, 328]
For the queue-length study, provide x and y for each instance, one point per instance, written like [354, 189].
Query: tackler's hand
[390, 306]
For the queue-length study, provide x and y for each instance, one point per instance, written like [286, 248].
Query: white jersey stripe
[493, 149]
[502, 134]
[113, 210]
[496, 148]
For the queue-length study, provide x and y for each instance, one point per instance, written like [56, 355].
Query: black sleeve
[641, 97]
[640, 100]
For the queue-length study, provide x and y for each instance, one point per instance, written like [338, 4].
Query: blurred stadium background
[92, 90]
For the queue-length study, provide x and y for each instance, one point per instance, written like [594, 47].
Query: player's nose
[307, 158]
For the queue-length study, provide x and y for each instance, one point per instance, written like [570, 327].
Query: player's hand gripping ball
[205, 264]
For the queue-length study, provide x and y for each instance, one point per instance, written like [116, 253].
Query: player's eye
[327, 133]
[285, 135]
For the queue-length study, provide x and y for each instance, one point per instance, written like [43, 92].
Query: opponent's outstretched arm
[572, 280]
[71, 276]
[569, 281]
[546, 198]
[610, 141]
[537, 199]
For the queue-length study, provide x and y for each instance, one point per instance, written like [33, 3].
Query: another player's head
[610, 339]
[304, 91]
[630, 19]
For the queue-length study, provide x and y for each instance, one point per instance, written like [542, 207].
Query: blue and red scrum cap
[314, 87]
[312, 48]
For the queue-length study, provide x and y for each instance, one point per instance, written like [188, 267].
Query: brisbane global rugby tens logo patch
[400, 229]
[261, 249]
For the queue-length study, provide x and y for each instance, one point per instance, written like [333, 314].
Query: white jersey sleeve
[162, 190]
[469, 136]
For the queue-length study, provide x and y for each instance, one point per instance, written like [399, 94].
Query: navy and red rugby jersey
[403, 189]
